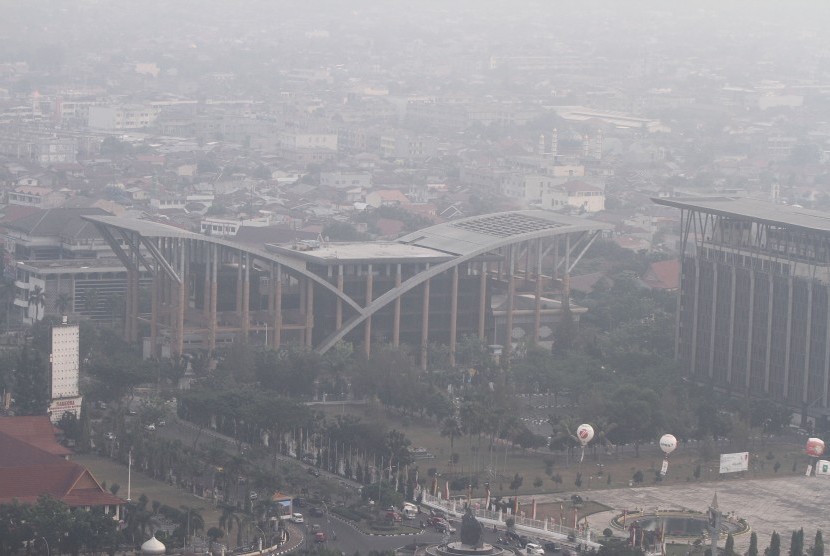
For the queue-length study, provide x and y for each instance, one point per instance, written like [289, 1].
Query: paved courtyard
[781, 504]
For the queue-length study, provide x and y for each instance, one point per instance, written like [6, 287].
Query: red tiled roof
[663, 275]
[27, 472]
[35, 431]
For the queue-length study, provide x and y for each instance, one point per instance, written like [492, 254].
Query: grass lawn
[544, 472]
[107, 470]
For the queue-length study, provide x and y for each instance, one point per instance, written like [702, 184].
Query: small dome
[153, 546]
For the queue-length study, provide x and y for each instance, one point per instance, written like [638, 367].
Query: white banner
[733, 463]
[823, 467]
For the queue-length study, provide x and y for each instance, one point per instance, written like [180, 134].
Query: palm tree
[63, 303]
[451, 427]
[226, 521]
[37, 298]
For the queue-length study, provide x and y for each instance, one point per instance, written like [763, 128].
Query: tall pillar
[206, 284]
[338, 309]
[482, 301]
[396, 322]
[425, 324]
[134, 303]
[732, 284]
[246, 297]
[154, 308]
[769, 334]
[750, 325]
[537, 304]
[179, 348]
[367, 331]
[278, 308]
[240, 264]
[511, 291]
[712, 320]
[805, 396]
[453, 314]
[309, 312]
[788, 338]
[214, 293]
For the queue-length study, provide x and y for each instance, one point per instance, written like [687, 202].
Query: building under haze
[493, 276]
[754, 300]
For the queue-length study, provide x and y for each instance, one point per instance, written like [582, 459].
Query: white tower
[65, 359]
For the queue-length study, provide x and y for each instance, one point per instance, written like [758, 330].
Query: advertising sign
[823, 467]
[733, 463]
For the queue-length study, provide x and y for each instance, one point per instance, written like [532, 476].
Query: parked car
[150, 427]
[550, 547]
[534, 549]
[297, 518]
[110, 436]
[316, 512]
[392, 515]
[314, 471]
[320, 536]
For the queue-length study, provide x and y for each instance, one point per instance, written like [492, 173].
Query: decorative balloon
[814, 447]
[584, 434]
[668, 443]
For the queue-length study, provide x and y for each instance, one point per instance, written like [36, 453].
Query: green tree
[818, 545]
[31, 382]
[753, 545]
[729, 547]
[774, 548]
[37, 298]
[451, 427]
[797, 543]
[63, 303]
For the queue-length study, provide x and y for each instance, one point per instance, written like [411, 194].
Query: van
[410, 510]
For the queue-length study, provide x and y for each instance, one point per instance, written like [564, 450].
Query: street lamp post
[48, 552]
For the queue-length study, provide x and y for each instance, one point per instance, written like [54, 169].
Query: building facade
[754, 300]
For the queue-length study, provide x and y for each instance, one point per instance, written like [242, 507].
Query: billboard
[733, 463]
[823, 467]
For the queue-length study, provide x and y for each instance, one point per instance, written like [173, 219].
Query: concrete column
[338, 309]
[425, 325]
[692, 355]
[537, 305]
[747, 380]
[128, 298]
[712, 321]
[769, 334]
[206, 284]
[826, 360]
[511, 291]
[396, 322]
[214, 293]
[367, 330]
[246, 297]
[278, 308]
[154, 308]
[482, 302]
[732, 304]
[805, 396]
[453, 314]
[239, 278]
[179, 348]
[134, 302]
[309, 312]
[788, 339]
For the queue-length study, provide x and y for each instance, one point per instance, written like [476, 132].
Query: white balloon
[668, 443]
[584, 433]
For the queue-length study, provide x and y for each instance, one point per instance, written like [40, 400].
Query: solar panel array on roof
[505, 224]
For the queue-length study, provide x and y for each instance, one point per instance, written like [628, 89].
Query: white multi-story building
[65, 359]
[122, 117]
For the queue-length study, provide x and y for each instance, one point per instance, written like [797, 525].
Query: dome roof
[152, 546]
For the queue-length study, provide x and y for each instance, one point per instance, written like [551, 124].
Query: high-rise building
[754, 300]
[65, 359]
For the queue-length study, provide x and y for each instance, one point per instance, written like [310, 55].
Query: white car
[533, 548]
[297, 518]
[150, 427]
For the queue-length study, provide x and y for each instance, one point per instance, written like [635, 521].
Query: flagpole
[129, 472]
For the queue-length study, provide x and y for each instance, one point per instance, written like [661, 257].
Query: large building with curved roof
[431, 286]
